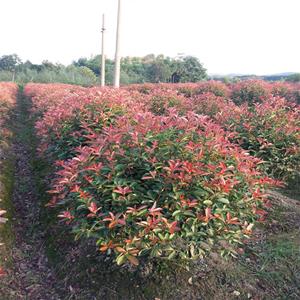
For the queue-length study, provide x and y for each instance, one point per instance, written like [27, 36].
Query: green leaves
[223, 200]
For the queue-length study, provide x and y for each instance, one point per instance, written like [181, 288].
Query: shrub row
[150, 172]
[8, 94]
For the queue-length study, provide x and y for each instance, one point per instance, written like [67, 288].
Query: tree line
[86, 71]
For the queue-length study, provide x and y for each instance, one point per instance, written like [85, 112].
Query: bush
[160, 100]
[291, 92]
[161, 186]
[270, 131]
[216, 87]
[250, 91]
[211, 105]
[8, 95]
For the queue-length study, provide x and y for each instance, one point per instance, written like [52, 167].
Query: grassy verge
[7, 165]
[6, 232]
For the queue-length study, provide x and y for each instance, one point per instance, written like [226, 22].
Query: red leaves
[133, 260]
[8, 95]
[135, 210]
[114, 220]
[207, 217]
[95, 167]
[247, 228]
[173, 166]
[188, 203]
[109, 245]
[172, 226]
[230, 220]
[261, 213]
[66, 215]
[152, 175]
[93, 210]
[257, 194]
[155, 211]
[2, 272]
[123, 191]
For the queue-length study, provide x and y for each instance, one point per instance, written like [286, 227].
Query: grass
[6, 230]
[276, 265]
[6, 191]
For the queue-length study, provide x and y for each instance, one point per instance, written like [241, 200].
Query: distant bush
[159, 101]
[250, 91]
[271, 132]
[209, 104]
[216, 87]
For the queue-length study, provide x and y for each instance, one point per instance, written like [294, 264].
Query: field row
[165, 170]
[8, 95]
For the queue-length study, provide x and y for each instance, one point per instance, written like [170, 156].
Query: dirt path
[29, 276]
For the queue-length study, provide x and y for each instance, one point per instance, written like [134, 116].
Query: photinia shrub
[271, 132]
[159, 101]
[161, 186]
[8, 95]
[250, 91]
[143, 174]
[211, 105]
[215, 87]
[291, 92]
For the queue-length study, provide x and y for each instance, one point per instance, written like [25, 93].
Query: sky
[228, 36]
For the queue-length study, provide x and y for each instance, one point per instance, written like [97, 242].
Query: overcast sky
[228, 36]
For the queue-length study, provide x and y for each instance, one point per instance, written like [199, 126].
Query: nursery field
[150, 191]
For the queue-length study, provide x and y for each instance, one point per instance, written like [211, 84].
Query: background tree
[86, 71]
[9, 62]
[294, 77]
[188, 69]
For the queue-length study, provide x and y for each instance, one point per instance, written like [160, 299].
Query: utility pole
[103, 54]
[117, 55]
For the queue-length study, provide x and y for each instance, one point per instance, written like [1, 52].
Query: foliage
[270, 131]
[8, 95]
[86, 71]
[250, 91]
[159, 101]
[160, 186]
[188, 69]
[150, 68]
[144, 184]
[211, 105]
[294, 77]
[9, 62]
